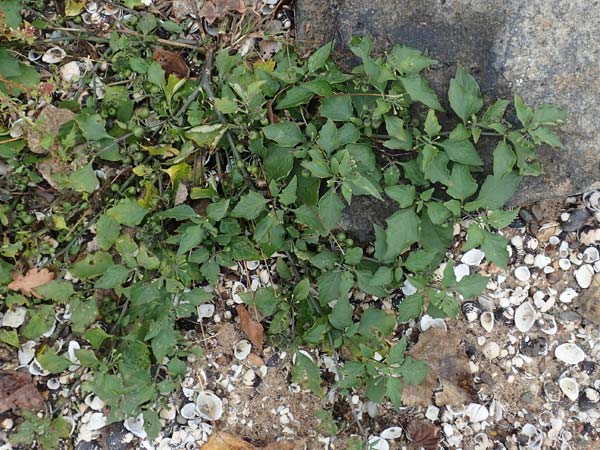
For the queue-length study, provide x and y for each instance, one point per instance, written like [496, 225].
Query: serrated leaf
[217, 210]
[419, 91]
[382, 276]
[319, 57]
[353, 256]
[494, 247]
[401, 138]
[341, 314]
[329, 139]
[542, 135]
[336, 108]
[376, 320]
[462, 151]
[495, 112]
[92, 127]
[128, 212]
[179, 212]
[295, 96]
[107, 231]
[548, 115]
[495, 191]
[330, 209]
[504, 159]
[410, 308]
[413, 371]
[52, 362]
[432, 126]
[84, 179]
[403, 229]
[334, 285]
[419, 260]
[307, 373]
[464, 95]
[471, 285]
[524, 112]
[288, 195]
[394, 391]
[286, 134]
[501, 219]
[409, 61]
[462, 185]
[58, 290]
[250, 206]
[113, 276]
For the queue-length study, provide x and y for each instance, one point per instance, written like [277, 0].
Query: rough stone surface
[545, 50]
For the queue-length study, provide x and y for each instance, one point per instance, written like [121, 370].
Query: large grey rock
[545, 50]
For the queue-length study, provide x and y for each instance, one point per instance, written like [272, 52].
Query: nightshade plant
[267, 154]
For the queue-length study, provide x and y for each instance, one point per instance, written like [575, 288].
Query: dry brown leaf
[17, 391]
[225, 441]
[180, 9]
[251, 327]
[423, 434]
[31, 280]
[47, 123]
[171, 62]
[217, 9]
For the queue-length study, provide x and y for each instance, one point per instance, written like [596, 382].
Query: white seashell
[525, 317]
[70, 72]
[592, 200]
[564, 264]
[541, 261]
[135, 425]
[54, 55]
[491, 350]
[33, 55]
[209, 406]
[264, 276]
[53, 384]
[237, 289]
[584, 276]
[94, 402]
[432, 413]
[408, 289]
[26, 353]
[206, 310]
[391, 433]
[529, 259]
[73, 346]
[496, 410]
[377, 443]
[477, 413]
[35, 368]
[252, 265]
[249, 377]
[97, 421]
[461, 271]
[567, 295]
[517, 242]
[188, 411]
[14, 318]
[570, 387]
[591, 254]
[242, 349]
[428, 322]
[522, 273]
[569, 353]
[548, 325]
[473, 257]
[487, 321]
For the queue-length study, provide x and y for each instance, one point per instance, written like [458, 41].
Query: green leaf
[107, 231]
[420, 260]
[353, 256]
[524, 112]
[462, 151]
[319, 57]
[191, 237]
[179, 212]
[471, 285]
[548, 115]
[382, 276]
[394, 390]
[374, 319]
[156, 74]
[334, 285]
[128, 212]
[464, 95]
[113, 277]
[504, 159]
[164, 342]
[83, 313]
[462, 184]
[410, 308]
[336, 108]
[495, 112]
[10, 337]
[57, 290]
[288, 195]
[404, 194]
[375, 391]
[409, 61]
[495, 191]
[92, 265]
[396, 354]
[217, 210]
[84, 179]
[250, 206]
[52, 362]
[329, 139]
[419, 91]
[286, 134]
[432, 126]
[437, 212]
[87, 358]
[278, 163]
[96, 336]
[302, 289]
[413, 371]
[295, 96]
[306, 373]
[330, 209]
[341, 315]
[401, 138]
[11, 10]
[494, 247]
[501, 219]
[543, 135]
[151, 423]
[92, 127]
[403, 230]
[307, 215]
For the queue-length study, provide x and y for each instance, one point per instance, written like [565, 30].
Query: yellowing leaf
[142, 171]
[178, 172]
[73, 8]
[164, 151]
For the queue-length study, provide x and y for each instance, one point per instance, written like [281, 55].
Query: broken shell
[570, 388]
[477, 413]
[541, 260]
[188, 411]
[135, 425]
[54, 55]
[584, 276]
[391, 433]
[209, 406]
[471, 310]
[552, 391]
[589, 399]
[525, 317]
[237, 289]
[487, 321]
[35, 368]
[591, 254]
[377, 443]
[206, 310]
[534, 437]
[567, 295]
[242, 349]
[26, 353]
[569, 353]
[252, 265]
[73, 347]
[94, 402]
[473, 257]
[522, 273]
[53, 384]
[70, 72]
[591, 200]
[461, 271]
[97, 421]
[14, 318]
[428, 322]
[548, 325]
[491, 350]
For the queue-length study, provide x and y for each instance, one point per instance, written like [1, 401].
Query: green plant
[47, 432]
[267, 153]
